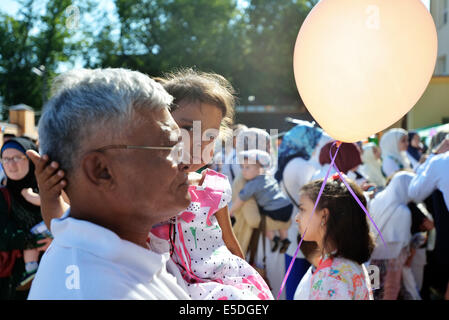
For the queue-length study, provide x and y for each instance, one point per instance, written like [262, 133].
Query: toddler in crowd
[267, 193]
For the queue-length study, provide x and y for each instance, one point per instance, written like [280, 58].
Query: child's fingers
[45, 244]
[58, 187]
[49, 171]
[55, 179]
[37, 160]
[43, 170]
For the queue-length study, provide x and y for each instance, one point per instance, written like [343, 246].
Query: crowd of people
[119, 204]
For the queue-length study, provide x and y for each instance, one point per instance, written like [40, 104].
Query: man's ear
[97, 170]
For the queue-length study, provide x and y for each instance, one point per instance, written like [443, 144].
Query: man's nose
[183, 167]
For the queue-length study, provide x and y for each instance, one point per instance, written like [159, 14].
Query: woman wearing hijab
[394, 144]
[393, 218]
[414, 150]
[372, 165]
[298, 162]
[347, 161]
[19, 213]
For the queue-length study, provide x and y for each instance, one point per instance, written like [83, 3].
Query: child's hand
[45, 244]
[443, 147]
[31, 196]
[409, 260]
[427, 225]
[51, 183]
[367, 186]
[49, 179]
[31, 255]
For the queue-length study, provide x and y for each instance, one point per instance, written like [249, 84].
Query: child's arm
[30, 255]
[229, 238]
[31, 196]
[236, 205]
[51, 182]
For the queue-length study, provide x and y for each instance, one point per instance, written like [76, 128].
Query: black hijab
[414, 152]
[15, 187]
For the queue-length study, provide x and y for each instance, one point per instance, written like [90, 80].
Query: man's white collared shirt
[87, 261]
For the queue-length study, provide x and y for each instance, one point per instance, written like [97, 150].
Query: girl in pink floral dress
[341, 229]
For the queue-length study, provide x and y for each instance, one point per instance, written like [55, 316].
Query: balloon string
[338, 143]
[359, 202]
[355, 197]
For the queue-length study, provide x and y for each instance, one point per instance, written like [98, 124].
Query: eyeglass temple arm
[122, 146]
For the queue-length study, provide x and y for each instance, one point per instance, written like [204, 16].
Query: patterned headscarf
[300, 141]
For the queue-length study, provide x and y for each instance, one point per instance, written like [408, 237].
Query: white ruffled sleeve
[226, 195]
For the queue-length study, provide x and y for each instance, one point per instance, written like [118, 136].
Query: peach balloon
[361, 65]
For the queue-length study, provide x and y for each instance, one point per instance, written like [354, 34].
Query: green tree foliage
[272, 28]
[35, 39]
[157, 36]
[251, 45]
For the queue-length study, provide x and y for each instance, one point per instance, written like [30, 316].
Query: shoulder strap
[7, 197]
[230, 166]
[290, 196]
[252, 247]
[263, 223]
[254, 241]
[232, 172]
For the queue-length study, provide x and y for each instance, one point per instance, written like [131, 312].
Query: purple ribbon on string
[332, 165]
[356, 198]
[310, 218]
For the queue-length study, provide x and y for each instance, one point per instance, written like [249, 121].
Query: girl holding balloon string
[341, 230]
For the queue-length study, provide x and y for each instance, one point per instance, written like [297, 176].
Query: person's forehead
[169, 129]
[158, 124]
[12, 152]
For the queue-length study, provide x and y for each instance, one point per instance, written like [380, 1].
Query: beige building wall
[440, 13]
[433, 107]
[21, 122]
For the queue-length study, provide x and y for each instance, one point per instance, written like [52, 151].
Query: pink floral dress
[194, 239]
[340, 279]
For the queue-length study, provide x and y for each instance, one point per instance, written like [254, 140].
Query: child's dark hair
[196, 86]
[347, 226]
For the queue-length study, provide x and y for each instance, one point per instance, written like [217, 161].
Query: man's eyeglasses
[175, 154]
[15, 159]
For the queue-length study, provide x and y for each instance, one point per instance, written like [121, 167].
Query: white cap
[254, 155]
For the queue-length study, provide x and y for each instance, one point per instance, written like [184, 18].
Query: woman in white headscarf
[394, 219]
[394, 144]
[371, 168]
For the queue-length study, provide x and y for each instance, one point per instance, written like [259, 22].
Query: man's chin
[183, 201]
[186, 201]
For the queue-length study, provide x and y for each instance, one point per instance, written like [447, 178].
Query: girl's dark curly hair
[347, 226]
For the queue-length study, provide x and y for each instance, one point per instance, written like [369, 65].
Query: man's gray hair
[85, 102]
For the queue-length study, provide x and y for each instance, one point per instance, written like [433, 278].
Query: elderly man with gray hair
[113, 135]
